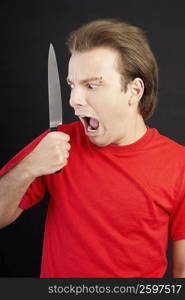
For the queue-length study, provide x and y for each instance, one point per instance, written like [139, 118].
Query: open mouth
[91, 124]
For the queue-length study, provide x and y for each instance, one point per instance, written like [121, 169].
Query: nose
[77, 97]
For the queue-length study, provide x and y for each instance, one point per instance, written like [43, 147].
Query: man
[120, 194]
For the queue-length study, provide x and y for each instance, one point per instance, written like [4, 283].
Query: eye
[92, 86]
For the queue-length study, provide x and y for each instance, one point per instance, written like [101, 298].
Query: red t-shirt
[112, 209]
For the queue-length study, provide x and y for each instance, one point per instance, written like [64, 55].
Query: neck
[137, 129]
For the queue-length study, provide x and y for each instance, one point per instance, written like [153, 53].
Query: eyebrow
[100, 79]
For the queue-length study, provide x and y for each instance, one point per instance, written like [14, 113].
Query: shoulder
[171, 150]
[71, 128]
[74, 130]
[168, 142]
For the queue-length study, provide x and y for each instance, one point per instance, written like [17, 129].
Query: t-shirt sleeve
[177, 217]
[34, 194]
[177, 222]
[36, 190]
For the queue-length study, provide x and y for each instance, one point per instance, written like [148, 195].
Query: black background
[27, 27]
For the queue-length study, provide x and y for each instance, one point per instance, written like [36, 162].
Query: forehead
[95, 62]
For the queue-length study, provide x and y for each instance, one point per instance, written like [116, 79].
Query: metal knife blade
[54, 92]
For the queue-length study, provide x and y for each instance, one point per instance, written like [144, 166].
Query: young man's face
[97, 93]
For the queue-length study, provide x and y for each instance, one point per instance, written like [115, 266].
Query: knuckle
[66, 137]
[65, 162]
[69, 146]
[65, 154]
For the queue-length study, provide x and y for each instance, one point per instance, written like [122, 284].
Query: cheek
[116, 113]
[108, 105]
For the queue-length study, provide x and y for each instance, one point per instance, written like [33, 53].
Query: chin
[99, 143]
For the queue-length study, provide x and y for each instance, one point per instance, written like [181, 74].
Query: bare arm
[47, 157]
[13, 186]
[178, 259]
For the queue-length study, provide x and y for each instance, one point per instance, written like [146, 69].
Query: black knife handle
[55, 129]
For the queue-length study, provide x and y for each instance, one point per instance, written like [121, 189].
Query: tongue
[93, 123]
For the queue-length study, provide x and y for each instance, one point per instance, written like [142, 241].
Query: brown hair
[137, 59]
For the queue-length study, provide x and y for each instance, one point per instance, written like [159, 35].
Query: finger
[65, 162]
[66, 137]
[67, 146]
[66, 154]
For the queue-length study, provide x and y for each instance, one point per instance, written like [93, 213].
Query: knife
[54, 92]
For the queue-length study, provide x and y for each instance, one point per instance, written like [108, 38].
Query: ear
[137, 90]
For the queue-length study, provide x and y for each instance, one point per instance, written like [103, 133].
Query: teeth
[90, 129]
